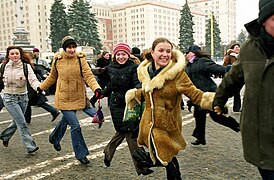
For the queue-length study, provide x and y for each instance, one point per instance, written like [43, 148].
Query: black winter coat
[122, 78]
[200, 72]
[34, 97]
[103, 77]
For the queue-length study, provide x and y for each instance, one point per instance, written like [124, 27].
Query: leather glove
[39, 90]
[98, 94]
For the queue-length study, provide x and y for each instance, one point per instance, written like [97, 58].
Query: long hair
[155, 43]
[25, 57]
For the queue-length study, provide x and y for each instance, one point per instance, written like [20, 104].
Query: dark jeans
[45, 106]
[116, 140]
[237, 102]
[200, 121]
[266, 174]
[48, 108]
[78, 142]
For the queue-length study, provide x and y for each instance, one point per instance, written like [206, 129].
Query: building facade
[137, 22]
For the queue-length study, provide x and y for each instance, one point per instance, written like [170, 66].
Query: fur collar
[169, 72]
[63, 54]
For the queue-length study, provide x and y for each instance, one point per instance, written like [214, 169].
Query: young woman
[16, 97]
[163, 82]
[123, 76]
[70, 95]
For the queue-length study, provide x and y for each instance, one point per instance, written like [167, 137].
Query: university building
[137, 22]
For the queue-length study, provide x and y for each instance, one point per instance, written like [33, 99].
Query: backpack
[2, 69]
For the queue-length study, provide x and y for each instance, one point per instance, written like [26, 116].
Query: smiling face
[161, 54]
[14, 55]
[269, 25]
[71, 50]
[121, 57]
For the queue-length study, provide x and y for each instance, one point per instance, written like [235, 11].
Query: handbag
[99, 116]
[134, 114]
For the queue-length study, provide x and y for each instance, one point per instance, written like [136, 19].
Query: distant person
[38, 61]
[200, 69]
[255, 69]
[70, 94]
[135, 51]
[102, 78]
[230, 57]
[15, 95]
[39, 99]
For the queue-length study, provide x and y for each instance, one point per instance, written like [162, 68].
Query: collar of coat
[176, 65]
[63, 54]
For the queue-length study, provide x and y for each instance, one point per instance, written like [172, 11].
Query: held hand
[39, 91]
[218, 110]
[98, 94]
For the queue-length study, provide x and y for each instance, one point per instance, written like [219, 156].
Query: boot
[173, 170]
[143, 158]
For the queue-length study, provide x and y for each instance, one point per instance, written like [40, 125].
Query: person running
[70, 94]
[15, 95]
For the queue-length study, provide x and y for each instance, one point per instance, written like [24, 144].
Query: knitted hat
[193, 48]
[135, 51]
[67, 40]
[266, 8]
[121, 47]
[35, 50]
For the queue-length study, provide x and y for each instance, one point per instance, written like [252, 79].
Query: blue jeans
[48, 108]
[16, 105]
[90, 111]
[78, 142]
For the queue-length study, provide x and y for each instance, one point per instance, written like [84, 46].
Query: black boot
[143, 158]
[199, 141]
[173, 170]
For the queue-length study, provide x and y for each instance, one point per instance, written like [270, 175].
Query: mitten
[98, 93]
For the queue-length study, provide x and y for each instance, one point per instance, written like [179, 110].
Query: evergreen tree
[83, 25]
[58, 24]
[186, 28]
[242, 36]
[216, 38]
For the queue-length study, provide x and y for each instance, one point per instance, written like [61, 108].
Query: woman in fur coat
[163, 82]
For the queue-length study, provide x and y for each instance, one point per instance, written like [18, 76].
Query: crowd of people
[158, 76]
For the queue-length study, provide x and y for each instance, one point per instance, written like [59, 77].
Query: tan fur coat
[161, 123]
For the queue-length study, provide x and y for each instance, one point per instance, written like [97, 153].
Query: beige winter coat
[70, 87]
[161, 123]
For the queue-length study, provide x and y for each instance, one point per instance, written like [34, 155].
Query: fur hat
[121, 47]
[266, 8]
[67, 40]
[35, 50]
[193, 48]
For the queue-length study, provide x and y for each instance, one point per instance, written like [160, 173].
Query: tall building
[224, 11]
[137, 22]
[35, 21]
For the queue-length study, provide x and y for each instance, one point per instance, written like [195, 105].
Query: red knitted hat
[121, 47]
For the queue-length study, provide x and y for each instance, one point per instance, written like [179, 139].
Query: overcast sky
[246, 10]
